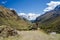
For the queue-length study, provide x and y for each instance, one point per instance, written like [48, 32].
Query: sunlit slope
[10, 18]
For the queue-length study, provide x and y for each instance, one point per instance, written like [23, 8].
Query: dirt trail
[34, 35]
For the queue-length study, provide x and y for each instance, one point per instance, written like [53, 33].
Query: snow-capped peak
[29, 16]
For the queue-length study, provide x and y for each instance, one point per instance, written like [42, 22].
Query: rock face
[10, 17]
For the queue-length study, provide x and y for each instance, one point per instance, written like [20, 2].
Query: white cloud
[29, 16]
[3, 2]
[51, 5]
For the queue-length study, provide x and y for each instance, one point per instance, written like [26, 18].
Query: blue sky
[27, 6]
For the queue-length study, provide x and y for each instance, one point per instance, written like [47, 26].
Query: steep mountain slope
[50, 16]
[50, 20]
[10, 18]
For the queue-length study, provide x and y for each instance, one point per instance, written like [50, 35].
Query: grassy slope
[50, 21]
[10, 18]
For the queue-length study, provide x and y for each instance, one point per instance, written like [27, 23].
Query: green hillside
[10, 18]
[50, 21]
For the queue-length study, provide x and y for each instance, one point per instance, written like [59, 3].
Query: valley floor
[38, 35]
[34, 35]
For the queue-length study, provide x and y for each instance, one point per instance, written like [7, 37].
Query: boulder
[7, 31]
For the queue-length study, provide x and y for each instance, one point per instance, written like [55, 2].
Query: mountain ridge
[50, 20]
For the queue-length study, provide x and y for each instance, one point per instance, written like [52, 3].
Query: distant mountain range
[29, 16]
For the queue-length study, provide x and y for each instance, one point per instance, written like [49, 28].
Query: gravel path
[34, 35]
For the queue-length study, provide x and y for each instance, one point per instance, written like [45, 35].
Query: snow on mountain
[29, 16]
[51, 5]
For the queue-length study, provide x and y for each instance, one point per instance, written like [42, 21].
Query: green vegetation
[50, 21]
[10, 18]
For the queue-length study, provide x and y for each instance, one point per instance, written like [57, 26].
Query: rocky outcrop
[6, 31]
